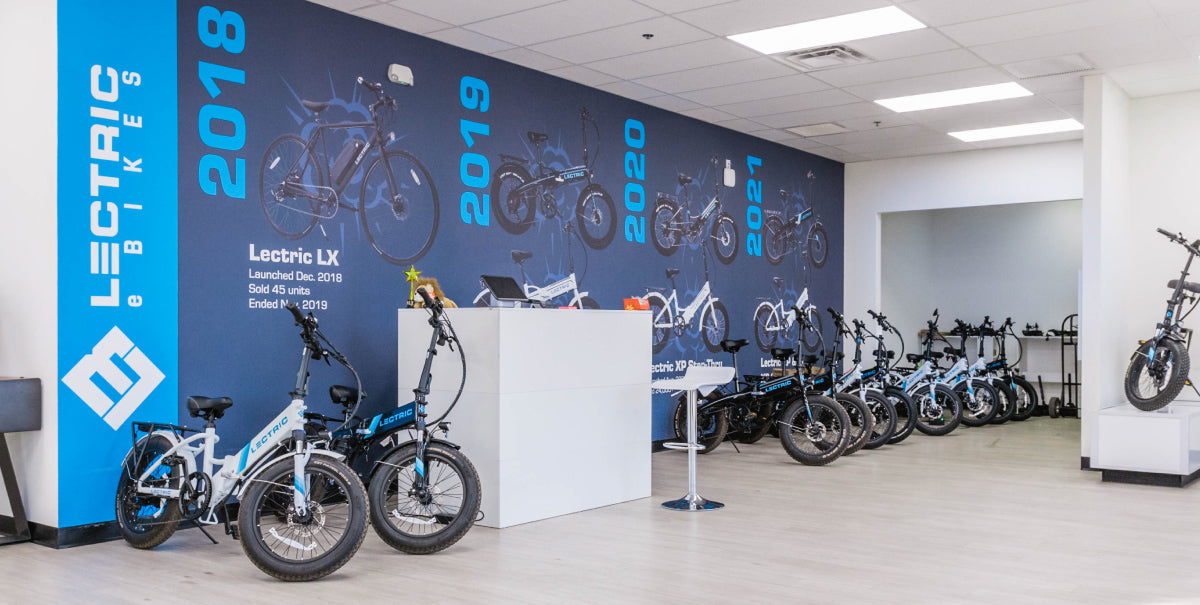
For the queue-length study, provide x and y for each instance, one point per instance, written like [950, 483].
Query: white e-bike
[302, 512]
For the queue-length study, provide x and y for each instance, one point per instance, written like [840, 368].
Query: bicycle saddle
[537, 137]
[778, 281]
[1190, 286]
[315, 106]
[732, 346]
[810, 360]
[913, 358]
[782, 354]
[520, 256]
[672, 273]
[839, 356]
[936, 355]
[343, 395]
[208, 406]
[684, 179]
[891, 354]
[955, 352]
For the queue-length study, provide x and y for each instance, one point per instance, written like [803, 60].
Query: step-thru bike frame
[519, 193]
[771, 320]
[315, 181]
[545, 295]
[666, 316]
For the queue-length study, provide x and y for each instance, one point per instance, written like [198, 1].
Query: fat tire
[145, 452]
[458, 526]
[793, 436]
[1008, 401]
[906, 414]
[946, 398]
[725, 222]
[717, 310]
[659, 336]
[984, 392]
[1180, 361]
[605, 206]
[713, 434]
[884, 414]
[774, 240]
[664, 212]
[254, 544]
[514, 176]
[1027, 399]
[862, 422]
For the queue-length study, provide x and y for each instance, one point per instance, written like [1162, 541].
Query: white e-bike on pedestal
[302, 512]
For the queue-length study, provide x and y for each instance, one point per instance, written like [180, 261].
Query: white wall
[1019, 260]
[1033, 173]
[28, 253]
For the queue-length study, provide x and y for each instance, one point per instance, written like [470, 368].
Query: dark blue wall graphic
[325, 218]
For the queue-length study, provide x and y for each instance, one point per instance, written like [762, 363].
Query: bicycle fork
[300, 486]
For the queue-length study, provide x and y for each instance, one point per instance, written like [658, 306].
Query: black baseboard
[657, 446]
[1140, 478]
[66, 537]
[1085, 464]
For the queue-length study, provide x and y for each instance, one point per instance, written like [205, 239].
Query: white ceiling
[1148, 47]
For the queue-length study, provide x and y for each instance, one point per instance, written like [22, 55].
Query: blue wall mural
[305, 174]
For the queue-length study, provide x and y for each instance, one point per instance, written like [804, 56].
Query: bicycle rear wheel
[399, 207]
[906, 413]
[291, 181]
[710, 427]
[1027, 398]
[883, 412]
[862, 422]
[147, 521]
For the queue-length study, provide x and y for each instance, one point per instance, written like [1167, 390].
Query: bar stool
[698, 380]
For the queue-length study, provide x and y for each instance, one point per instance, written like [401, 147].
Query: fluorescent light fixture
[1018, 130]
[816, 130]
[950, 98]
[843, 28]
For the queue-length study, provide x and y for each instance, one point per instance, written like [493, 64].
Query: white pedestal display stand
[1150, 448]
[698, 380]
[555, 414]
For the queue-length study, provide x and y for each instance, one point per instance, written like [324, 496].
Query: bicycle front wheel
[979, 407]
[818, 245]
[290, 183]
[295, 547]
[714, 326]
[766, 327]
[399, 207]
[597, 217]
[938, 411]
[862, 423]
[774, 240]
[428, 519]
[884, 415]
[1153, 383]
[906, 413]
[725, 238]
[1027, 398]
[814, 430]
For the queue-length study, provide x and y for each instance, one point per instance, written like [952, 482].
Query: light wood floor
[994, 515]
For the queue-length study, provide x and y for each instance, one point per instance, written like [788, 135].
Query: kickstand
[1193, 385]
[735, 447]
[204, 531]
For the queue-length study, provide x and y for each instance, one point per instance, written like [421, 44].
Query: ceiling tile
[1170, 7]
[1107, 37]
[778, 105]
[1065, 98]
[761, 89]
[630, 90]
[713, 51]
[902, 143]
[675, 6]
[903, 44]
[888, 121]
[772, 134]
[916, 151]
[1158, 70]
[749, 15]
[932, 83]
[344, 5]
[936, 13]
[622, 40]
[1185, 24]
[741, 125]
[838, 155]
[952, 60]
[529, 58]
[469, 40]
[1065, 18]
[824, 114]
[401, 19]
[671, 103]
[582, 75]
[561, 20]
[1052, 84]
[707, 114]
[1162, 86]
[882, 134]
[725, 74]
[460, 12]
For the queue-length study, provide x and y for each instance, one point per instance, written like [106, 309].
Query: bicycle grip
[296, 314]
[1166, 233]
[428, 299]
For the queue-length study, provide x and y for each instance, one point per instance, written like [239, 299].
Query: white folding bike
[772, 324]
[302, 512]
[545, 295]
[667, 316]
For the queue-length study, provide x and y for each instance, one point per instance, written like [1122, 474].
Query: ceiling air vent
[825, 57]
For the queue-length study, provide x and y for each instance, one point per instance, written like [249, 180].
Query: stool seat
[704, 379]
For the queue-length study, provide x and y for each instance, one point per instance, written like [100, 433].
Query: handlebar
[1178, 238]
[374, 87]
[296, 313]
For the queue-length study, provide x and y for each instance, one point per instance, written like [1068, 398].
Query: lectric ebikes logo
[114, 367]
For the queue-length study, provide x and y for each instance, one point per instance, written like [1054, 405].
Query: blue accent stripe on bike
[298, 483]
[245, 453]
[420, 467]
[374, 425]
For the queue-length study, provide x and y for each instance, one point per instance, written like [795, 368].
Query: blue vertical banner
[118, 259]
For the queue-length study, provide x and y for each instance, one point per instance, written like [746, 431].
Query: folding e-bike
[668, 316]
[674, 223]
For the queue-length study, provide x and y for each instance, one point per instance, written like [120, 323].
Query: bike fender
[512, 159]
[269, 460]
[375, 465]
[763, 305]
[189, 458]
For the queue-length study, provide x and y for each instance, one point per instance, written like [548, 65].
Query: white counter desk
[556, 410]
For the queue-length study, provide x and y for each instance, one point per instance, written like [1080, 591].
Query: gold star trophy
[410, 276]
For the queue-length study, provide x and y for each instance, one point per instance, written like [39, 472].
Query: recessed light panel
[816, 130]
[1018, 130]
[843, 28]
[950, 98]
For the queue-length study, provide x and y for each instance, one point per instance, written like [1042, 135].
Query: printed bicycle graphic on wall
[519, 194]
[667, 316]
[567, 287]
[775, 325]
[674, 224]
[800, 229]
[397, 202]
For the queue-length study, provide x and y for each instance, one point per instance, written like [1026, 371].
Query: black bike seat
[913, 358]
[732, 346]
[1190, 286]
[684, 179]
[537, 137]
[778, 281]
[781, 354]
[315, 106]
[953, 351]
[520, 256]
[891, 354]
[810, 360]
[839, 356]
[216, 406]
[936, 355]
[343, 395]
[672, 273]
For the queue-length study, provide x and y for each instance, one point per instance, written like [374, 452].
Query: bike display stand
[20, 410]
[697, 380]
[1148, 448]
